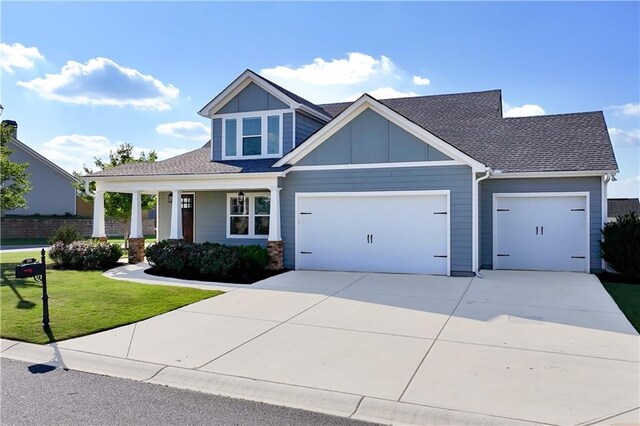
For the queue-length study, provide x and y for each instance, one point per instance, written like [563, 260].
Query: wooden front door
[187, 217]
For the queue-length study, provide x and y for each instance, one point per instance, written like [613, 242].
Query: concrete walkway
[513, 347]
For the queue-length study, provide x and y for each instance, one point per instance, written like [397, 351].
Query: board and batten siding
[371, 138]
[305, 127]
[252, 98]
[569, 184]
[216, 139]
[457, 179]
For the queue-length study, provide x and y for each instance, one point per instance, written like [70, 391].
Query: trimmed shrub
[85, 255]
[66, 234]
[620, 246]
[208, 261]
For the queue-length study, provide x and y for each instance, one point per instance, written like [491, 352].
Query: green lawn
[627, 297]
[80, 303]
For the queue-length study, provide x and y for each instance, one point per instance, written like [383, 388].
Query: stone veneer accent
[136, 250]
[276, 255]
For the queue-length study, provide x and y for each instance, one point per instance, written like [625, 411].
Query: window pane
[251, 126]
[262, 205]
[238, 208]
[273, 134]
[230, 137]
[252, 145]
[262, 225]
[239, 225]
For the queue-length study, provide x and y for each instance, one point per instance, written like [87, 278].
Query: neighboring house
[52, 187]
[622, 206]
[432, 184]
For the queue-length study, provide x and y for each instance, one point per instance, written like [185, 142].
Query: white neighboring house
[52, 191]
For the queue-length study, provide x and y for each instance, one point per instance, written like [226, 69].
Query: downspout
[476, 222]
[605, 209]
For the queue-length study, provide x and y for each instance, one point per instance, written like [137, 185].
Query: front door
[187, 217]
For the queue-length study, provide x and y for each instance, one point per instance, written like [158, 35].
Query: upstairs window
[252, 136]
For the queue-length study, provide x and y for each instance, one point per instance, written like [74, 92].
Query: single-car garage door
[547, 232]
[403, 232]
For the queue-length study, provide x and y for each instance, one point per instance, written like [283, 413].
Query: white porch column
[98, 215]
[176, 215]
[274, 215]
[136, 216]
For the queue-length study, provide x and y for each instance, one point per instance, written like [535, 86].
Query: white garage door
[547, 232]
[403, 232]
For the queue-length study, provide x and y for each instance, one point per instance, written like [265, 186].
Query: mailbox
[28, 270]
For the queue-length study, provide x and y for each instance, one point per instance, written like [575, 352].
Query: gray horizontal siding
[457, 179]
[576, 184]
[305, 127]
[217, 139]
[211, 220]
[287, 132]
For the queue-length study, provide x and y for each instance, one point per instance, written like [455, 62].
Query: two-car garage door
[404, 232]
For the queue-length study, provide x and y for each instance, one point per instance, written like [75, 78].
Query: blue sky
[80, 78]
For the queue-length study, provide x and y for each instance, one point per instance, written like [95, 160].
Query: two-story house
[438, 184]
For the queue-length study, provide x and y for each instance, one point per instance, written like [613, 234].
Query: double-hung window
[252, 136]
[248, 217]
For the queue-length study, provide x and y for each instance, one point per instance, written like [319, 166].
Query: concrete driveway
[530, 346]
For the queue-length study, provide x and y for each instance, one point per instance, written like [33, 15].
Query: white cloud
[101, 81]
[628, 110]
[526, 110]
[356, 68]
[624, 187]
[384, 93]
[193, 130]
[421, 81]
[336, 80]
[17, 55]
[621, 137]
[72, 152]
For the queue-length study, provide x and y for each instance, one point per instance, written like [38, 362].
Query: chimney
[13, 125]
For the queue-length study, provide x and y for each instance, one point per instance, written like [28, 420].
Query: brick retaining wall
[44, 227]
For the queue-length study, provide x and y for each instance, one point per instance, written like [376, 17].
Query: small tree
[14, 176]
[117, 205]
[620, 246]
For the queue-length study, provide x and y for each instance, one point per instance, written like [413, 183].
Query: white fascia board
[236, 87]
[364, 102]
[524, 175]
[188, 183]
[24, 147]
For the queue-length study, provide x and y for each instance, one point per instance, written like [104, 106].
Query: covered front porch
[222, 209]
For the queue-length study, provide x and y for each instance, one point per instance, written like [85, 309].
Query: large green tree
[117, 205]
[14, 176]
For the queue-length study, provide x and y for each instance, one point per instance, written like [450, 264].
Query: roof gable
[252, 98]
[276, 93]
[371, 138]
[358, 107]
[41, 159]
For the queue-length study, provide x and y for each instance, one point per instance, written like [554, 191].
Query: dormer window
[252, 135]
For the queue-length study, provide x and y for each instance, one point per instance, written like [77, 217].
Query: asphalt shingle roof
[195, 162]
[471, 122]
[621, 206]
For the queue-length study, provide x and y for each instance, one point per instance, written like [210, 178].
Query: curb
[334, 403]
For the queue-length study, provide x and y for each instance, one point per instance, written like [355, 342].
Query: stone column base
[276, 255]
[136, 250]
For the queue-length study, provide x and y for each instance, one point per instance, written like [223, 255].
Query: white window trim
[264, 118]
[251, 196]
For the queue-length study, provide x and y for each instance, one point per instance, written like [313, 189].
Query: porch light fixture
[170, 197]
[241, 197]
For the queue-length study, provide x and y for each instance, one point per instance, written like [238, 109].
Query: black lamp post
[45, 296]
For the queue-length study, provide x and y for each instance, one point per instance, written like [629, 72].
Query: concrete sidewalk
[514, 347]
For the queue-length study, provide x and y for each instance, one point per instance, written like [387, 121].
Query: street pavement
[37, 395]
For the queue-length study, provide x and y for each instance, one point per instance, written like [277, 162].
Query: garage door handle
[368, 238]
[542, 230]
[371, 238]
[536, 230]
